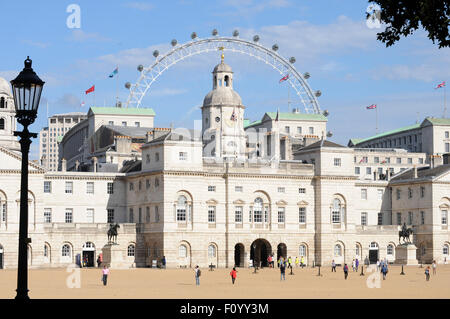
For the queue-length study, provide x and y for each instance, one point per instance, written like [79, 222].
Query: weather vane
[223, 55]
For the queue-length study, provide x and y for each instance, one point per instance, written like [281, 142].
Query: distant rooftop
[297, 116]
[122, 110]
[423, 172]
[69, 114]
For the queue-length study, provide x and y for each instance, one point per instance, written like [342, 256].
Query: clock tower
[223, 117]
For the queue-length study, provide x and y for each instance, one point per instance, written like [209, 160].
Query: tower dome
[5, 88]
[222, 92]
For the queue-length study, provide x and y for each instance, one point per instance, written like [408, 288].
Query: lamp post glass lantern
[27, 89]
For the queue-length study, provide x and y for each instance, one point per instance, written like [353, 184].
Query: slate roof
[319, 144]
[423, 172]
[122, 110]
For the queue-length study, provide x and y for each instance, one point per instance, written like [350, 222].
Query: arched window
[2, 124]
[390, 249]
[211, 251]
[227, 80]
[182, 251]
[302, 250]
[181, 208]
[336, 211]
[65, 252]
[2, 103]
[357, 250]
[445, 250]
[130, 250]
[337, 250]
[257, 210]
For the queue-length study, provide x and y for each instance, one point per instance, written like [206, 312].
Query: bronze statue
[112, 233]
[405, 233]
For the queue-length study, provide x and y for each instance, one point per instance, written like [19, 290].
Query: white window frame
[281, 215]
[47, 215]
[90, 188]
[211, 214]
[302, 215]
[69, 187]
[68, 216]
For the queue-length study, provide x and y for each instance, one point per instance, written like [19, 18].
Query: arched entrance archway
[373, 253]
[259, 251]
[88, 257]
[281, 251]
[239, 255]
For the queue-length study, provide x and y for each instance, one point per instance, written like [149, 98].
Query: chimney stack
[415, 171]
[63, 165]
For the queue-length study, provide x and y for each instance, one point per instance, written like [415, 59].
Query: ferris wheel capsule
[140, 67]
[256, 38]
[329, 134]
[326, 113]
[174, 42]
[235, 33]
[318, 93]
[128, 85]
[306, 75]
[292, 60]
[275, 47]
[215, 32]
[193, 35]
[155, 53]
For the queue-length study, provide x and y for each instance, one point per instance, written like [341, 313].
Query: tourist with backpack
[198, 273]
[233, 275]
[345, 271]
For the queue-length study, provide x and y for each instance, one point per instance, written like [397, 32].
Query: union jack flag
[440, 85]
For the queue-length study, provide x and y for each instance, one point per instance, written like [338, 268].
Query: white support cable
[198, 46]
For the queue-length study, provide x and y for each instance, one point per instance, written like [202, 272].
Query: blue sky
[329, 39]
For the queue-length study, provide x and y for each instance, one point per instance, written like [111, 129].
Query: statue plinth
[114, 257]
[405, 254]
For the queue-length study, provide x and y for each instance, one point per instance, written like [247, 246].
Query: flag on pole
[440, 85]
[278, 114]
[373, 106]
[91, 89]
[116, 70]
[284, 78]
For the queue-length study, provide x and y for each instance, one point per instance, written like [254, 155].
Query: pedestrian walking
[98, 261]
[197, 273]
[233, 275]
[302, 262]
[163, 262]
[357, 264]
[378, 265]
[283, 271]
[333, 266]
[384, 270]
[427, 273]
[434, 265]
[353, 265]
[290, 262]
[345, 271]
[296, 262]
[105, 273]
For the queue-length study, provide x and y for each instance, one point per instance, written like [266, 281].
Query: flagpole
[117, 83]
[445, 100]
[376, 111]
[289, 98]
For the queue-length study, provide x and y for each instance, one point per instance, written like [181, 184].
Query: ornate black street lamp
[27, 89]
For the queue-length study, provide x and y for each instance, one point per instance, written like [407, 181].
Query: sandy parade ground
[180, 283]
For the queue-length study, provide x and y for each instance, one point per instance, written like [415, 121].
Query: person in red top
[233, 274]
[269, 261]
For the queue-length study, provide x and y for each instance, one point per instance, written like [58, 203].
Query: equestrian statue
[112, 233]
[405, 233]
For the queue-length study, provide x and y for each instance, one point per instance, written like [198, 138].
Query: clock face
[217, 119]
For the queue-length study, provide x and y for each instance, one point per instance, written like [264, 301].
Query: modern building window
[211, 214]
[110, 188]
[47, 187]
[364, 219]
[130, 250]
[281, 215]
[69, 215]
[89, 188]
[302, 215]
[337, 162]
[182, 156]
[238, 214]
[363, 193]
[47, 215]
[211, 188]
[444, 217]
[110, 215]
[238, 189]
[69, 187]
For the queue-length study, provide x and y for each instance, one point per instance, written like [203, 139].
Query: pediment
[281, 203]
[12, 161]
[302, 203]
[212, 202]
[239, 202]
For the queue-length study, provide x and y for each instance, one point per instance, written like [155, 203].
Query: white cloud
[142, 6]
